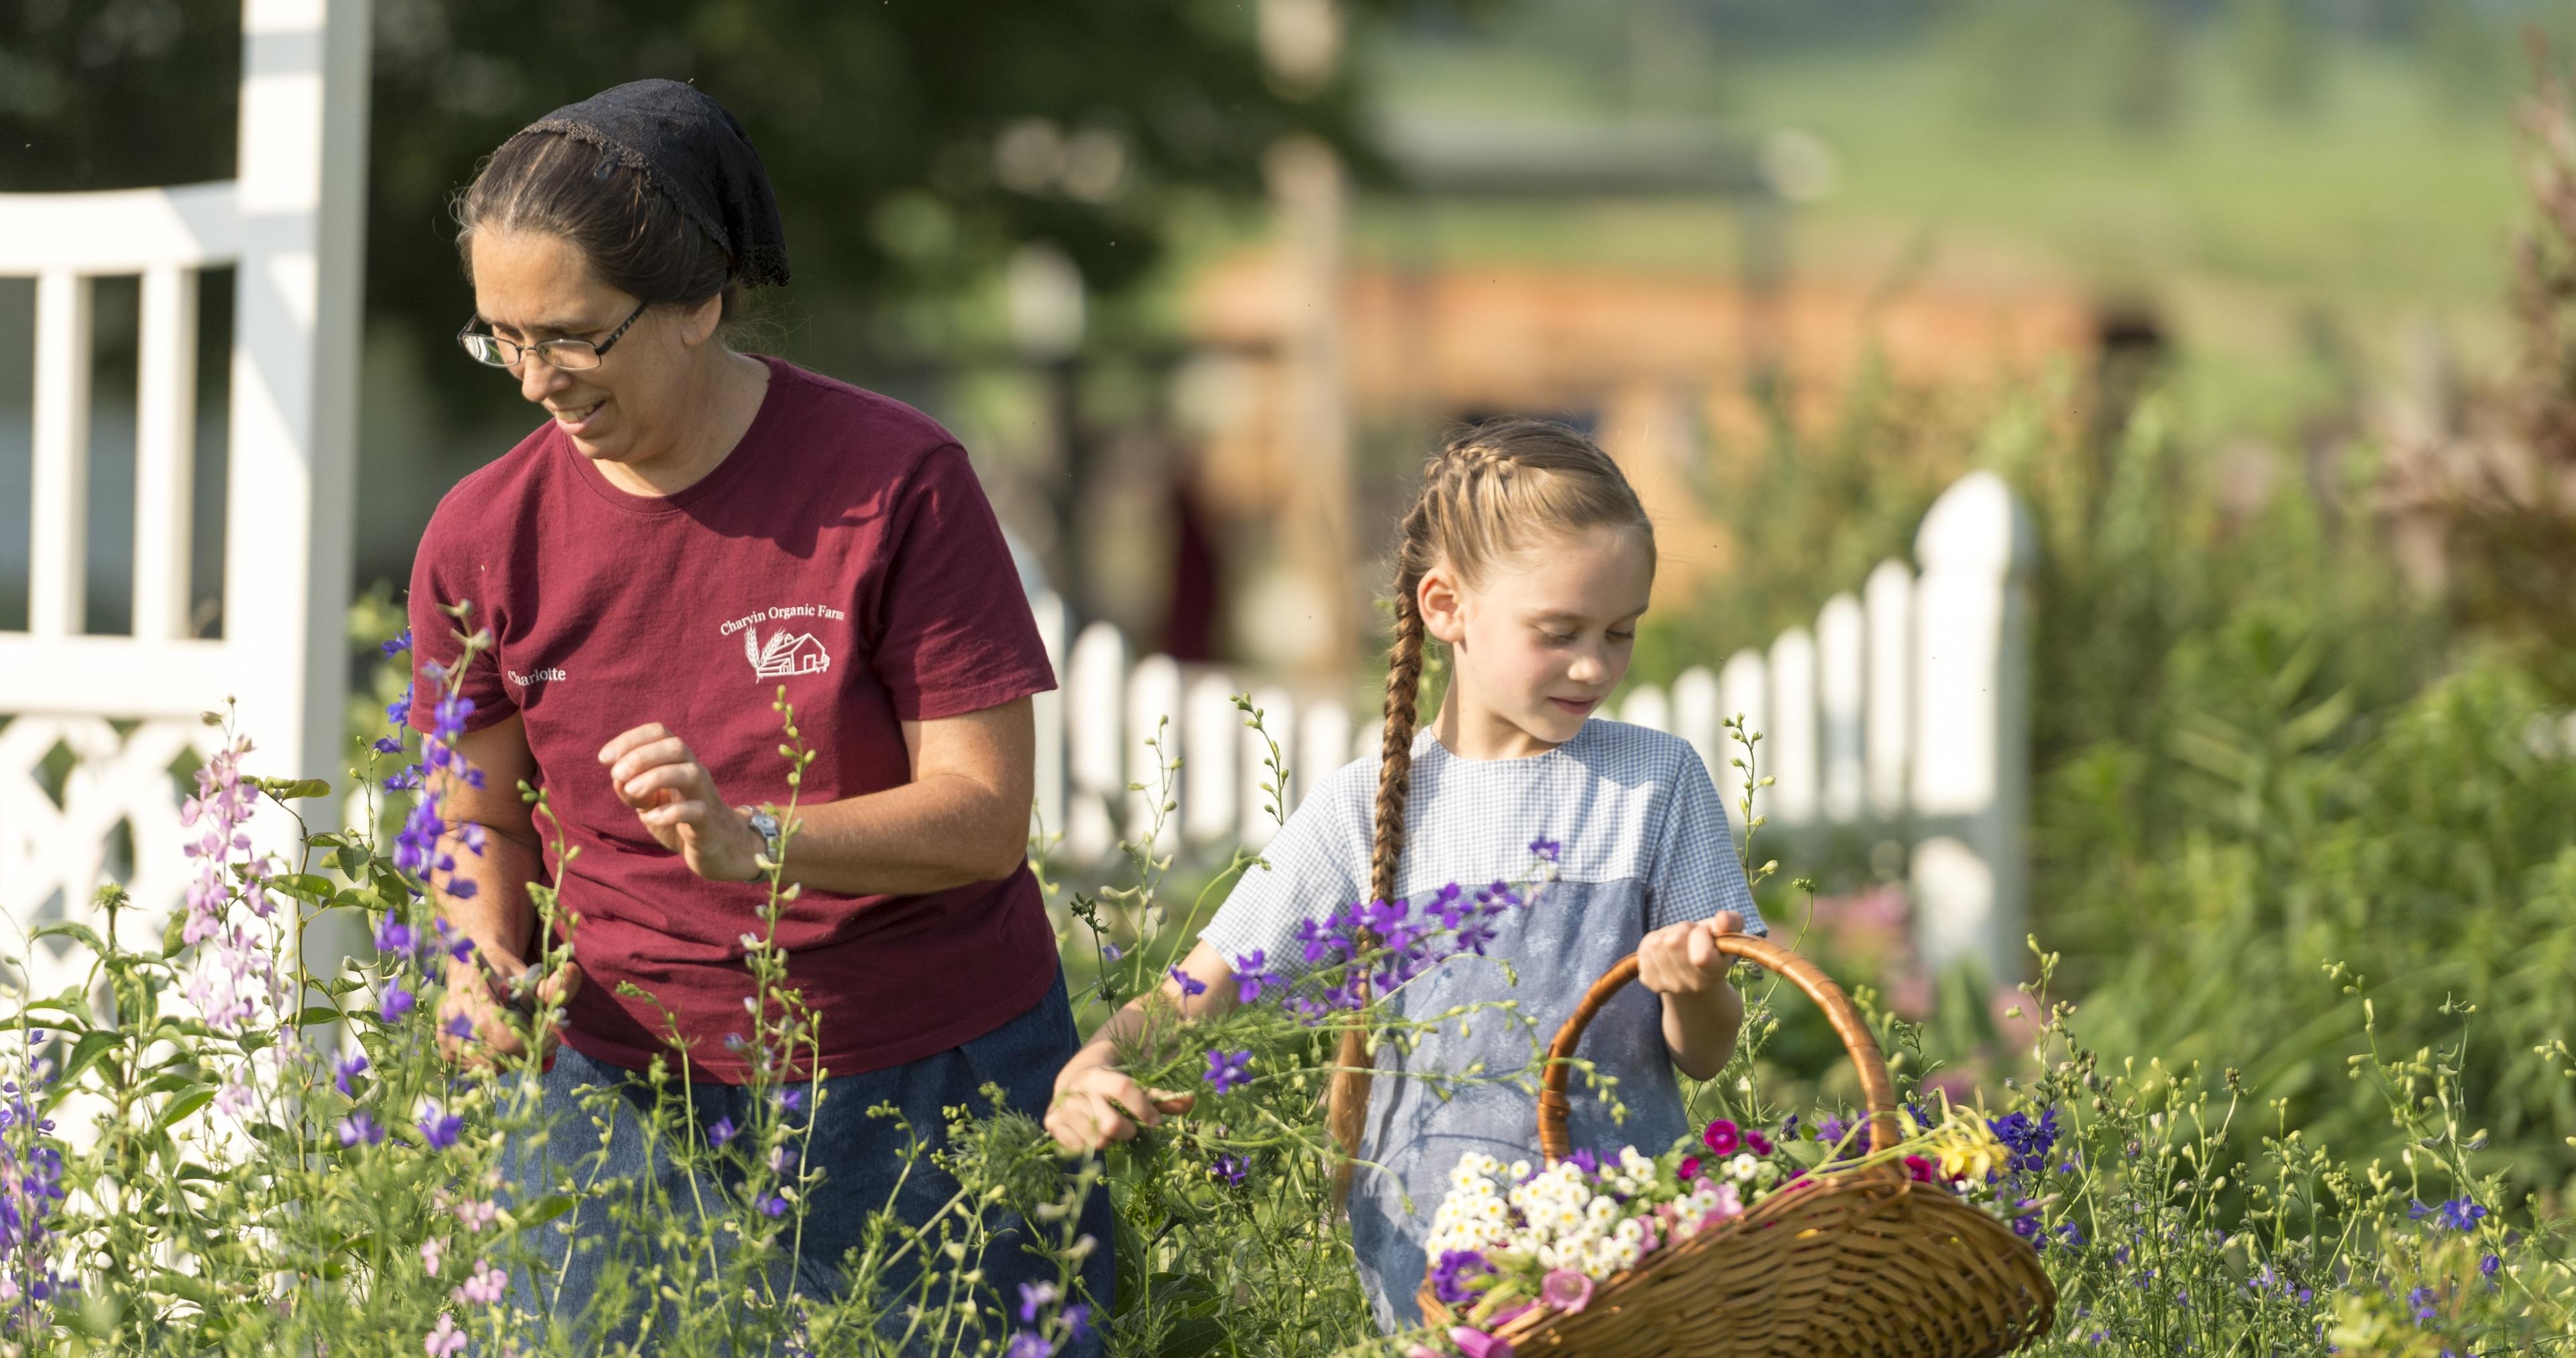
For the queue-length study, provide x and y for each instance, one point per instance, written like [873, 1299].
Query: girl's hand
[1682, 960]
[1097, 1104]
[675, 797]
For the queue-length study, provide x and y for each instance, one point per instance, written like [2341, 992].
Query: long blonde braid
[1482, 496]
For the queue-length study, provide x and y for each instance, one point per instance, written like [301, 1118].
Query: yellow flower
[1969, 1150]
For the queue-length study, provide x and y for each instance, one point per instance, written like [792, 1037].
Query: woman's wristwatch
[766, 826]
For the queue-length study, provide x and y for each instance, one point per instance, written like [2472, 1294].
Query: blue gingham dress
[1643, 842]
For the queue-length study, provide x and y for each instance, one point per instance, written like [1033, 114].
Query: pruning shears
[517, 994]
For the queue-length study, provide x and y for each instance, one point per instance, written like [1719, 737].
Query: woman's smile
[576, 420]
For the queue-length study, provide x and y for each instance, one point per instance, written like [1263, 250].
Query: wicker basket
[1863, 1263]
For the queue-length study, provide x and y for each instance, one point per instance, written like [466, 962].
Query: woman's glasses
[568, 354]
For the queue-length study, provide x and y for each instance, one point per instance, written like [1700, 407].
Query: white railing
[1905, 711]
[125, 708]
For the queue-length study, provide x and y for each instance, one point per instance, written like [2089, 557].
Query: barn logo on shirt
[787, 651]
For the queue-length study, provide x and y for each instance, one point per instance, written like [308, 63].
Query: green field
[2386, 204]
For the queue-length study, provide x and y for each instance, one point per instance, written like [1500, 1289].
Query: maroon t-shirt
[844, 550]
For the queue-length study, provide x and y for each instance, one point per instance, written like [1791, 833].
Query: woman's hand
[675, 797]
[1096, 1103]
[1682, 960]
[495, 1028]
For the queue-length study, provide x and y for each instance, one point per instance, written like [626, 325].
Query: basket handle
[1878, 1092]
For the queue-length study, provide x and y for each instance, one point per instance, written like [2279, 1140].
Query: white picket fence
[1905, 710]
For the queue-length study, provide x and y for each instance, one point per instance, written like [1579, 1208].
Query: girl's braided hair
[1487, 494]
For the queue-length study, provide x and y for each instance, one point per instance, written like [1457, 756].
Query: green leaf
[546, 1209]
[288, 789]
[182, 1106]
[318, 1013]
[175, 1076]
[186, 1288]
[91, 1046]
[74, 930]
[304, 886]
[1192, 1338]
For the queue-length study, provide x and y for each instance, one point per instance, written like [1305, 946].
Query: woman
[690, 531]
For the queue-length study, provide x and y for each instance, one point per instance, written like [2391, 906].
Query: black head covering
[687, 146]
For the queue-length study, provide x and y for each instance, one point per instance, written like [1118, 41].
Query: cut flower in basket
[1509, 1238]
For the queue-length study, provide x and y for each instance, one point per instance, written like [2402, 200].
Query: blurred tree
[914, 145]
[2281, 53]
[2118, 62]
[2464, 50]
[114, 93]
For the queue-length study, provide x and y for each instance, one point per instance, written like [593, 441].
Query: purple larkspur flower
[439, 1127]
[358, 1127]
[1228, 1069]
[1230, 1169]
[346, 1069]
[1449, 1276]
[396, 1002]
[723, 1131]
[1034, 1298]
[1190, 985]
[1253, 976]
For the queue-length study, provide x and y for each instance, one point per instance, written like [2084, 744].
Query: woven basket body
[1865, 1262]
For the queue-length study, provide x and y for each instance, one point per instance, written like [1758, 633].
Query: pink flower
[1422, 1351]
[429, 1250]
[1722, 1137]
[1566, 1290]
[485, 1287]
[1921, 1170]
[444, 1341]
[1730, 1205]
[1690, 1168]
[1476, 1343]
[1754, 1138]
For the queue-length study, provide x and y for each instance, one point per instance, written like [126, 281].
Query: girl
[1527, 555]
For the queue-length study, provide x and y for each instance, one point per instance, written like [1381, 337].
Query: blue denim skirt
[869, 1162]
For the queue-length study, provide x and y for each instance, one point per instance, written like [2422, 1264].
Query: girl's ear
[1443, 605]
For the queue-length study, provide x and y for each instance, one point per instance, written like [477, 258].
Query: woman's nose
[538, 378]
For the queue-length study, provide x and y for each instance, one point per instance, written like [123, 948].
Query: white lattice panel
[51, 853]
